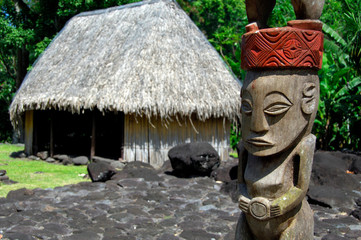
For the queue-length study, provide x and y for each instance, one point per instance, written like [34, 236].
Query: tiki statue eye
[276, 103]
[246, 106]
[277, 108]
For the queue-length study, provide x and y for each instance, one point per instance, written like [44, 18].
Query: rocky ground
[335, 195]
[154, 205]
[171, 208]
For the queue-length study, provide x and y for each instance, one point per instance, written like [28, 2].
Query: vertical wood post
[51, 134]
[122, 124]
[35, 134]
[92, 148]
[29, 130]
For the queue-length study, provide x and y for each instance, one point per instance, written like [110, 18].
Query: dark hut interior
[62, 132]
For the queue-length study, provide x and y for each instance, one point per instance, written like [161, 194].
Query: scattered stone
[117, 165]
[231, 189]
[356, 165]
[332, 236]
[19, 235]
[32, 157]
[3, 178]
[330, 184]
[81, 160]
[43, 155]
[227, 171]
[197, 234]
[97, 159]
[67, 161]
[100, 171]
[166, 167]
[61, 157]
[357, 213]
[19, 154]
[50, 160]
[9, 182]
[2, 172]
[332, 197]
[138, 170]
[20, 194]
[198, 158]
[358, 202]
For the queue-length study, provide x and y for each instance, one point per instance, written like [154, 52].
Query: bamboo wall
[147, 143]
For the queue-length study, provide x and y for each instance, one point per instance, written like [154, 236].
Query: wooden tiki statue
[279, 103]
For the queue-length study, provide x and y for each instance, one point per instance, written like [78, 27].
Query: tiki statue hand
[259, 207]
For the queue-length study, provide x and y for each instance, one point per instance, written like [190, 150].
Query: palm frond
[333, 35]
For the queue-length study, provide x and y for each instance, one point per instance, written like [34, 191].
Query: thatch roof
[146, 58]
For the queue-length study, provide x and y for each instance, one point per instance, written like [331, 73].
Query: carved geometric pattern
[284, 47]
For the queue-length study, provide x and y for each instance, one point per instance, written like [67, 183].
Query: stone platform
[173, 208]
[134, 208]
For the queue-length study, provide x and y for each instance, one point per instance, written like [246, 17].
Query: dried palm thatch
[147, 59]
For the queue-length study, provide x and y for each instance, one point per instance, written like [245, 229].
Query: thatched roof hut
[145, 60]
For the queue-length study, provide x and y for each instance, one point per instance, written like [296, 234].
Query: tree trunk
[21, 65]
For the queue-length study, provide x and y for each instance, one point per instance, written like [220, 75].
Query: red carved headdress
[299, 45]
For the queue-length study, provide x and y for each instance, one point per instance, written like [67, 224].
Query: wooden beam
[93, 142]
[122, 124]
[29, 132]
[35, 134]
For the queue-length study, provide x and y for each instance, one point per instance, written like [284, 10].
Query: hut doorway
[61, 132]
[109, 134]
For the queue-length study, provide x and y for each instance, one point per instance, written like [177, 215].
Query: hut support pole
[51, 134]
[92, 148]
[29, 130]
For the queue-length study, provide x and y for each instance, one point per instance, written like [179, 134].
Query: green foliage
[235, 136]
[339, 115]
[41, 46]
[69, 8]
[7, 89]
[233, 154]
[223, 22]
[281, 14]
[36, 174]
[339, 106]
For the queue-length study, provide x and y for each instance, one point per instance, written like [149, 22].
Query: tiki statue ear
[309, 102]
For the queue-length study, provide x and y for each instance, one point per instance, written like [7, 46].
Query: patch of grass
[35, 174]
[233, 154]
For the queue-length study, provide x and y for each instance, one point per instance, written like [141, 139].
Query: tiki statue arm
[296, 194]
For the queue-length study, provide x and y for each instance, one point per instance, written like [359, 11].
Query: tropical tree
[26, 29]
[339, 117]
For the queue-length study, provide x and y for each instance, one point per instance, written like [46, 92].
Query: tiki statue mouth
[259, 142]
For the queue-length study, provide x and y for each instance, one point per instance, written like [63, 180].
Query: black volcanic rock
[198, 158]
[100, 171]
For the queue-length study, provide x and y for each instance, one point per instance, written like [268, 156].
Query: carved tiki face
[278, 109]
